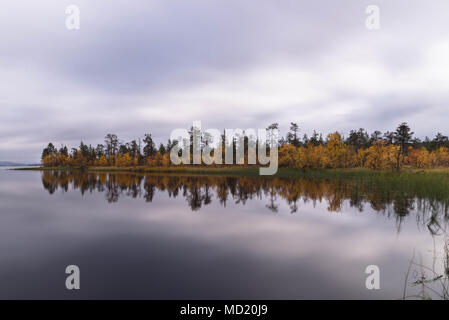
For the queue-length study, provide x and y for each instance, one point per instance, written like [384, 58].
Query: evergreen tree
[149, 150]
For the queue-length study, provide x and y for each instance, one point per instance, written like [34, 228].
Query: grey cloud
[131, 63]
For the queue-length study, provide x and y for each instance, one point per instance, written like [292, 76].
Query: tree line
[389, 150]
[113, 152]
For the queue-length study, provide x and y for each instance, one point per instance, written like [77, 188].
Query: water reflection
[183, 237]
[199, 191]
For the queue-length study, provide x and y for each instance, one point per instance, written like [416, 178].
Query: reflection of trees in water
[200, 191]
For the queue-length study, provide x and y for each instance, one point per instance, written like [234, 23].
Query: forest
[390, 150]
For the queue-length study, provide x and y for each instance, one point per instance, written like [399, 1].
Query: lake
[213, 237]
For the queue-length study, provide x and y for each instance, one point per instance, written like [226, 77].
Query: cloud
[159, 65]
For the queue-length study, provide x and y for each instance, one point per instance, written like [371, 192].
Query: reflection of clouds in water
[351, 236]
[283, 236]
[164, 249]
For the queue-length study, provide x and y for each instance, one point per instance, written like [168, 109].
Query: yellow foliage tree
[166, 162]
[441, 156]
[123, 160]
[338, 154]
[103, 162]
[287, 154]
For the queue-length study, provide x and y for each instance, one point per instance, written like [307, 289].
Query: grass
[234, 171]
[432, 283]
[351, 173]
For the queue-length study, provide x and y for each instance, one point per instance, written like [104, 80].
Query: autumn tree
[50, 149]
[337, 152]
[287, 155]
[391, 150]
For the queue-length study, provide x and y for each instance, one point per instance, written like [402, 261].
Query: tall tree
[292, 136]
[439, 141]
[270, 135]
[402, 137]
[389, 137]
[149, 149]
[84, 149]
[123, 149]
[358, 139]
[49, 150]
[375, 136]
[100, 150]
[64, 151]
[112, 143]
[162, 149]
[316, 139]
[134, 149]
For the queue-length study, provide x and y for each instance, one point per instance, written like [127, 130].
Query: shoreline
[252, 171]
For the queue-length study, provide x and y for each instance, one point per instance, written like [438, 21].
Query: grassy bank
[234, 171]
[352, 173]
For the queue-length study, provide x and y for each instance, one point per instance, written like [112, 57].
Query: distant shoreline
[18, 165]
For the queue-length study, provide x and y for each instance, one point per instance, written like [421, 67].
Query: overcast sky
[137, 67]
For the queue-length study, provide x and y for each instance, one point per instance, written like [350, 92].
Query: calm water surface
[167, 237]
